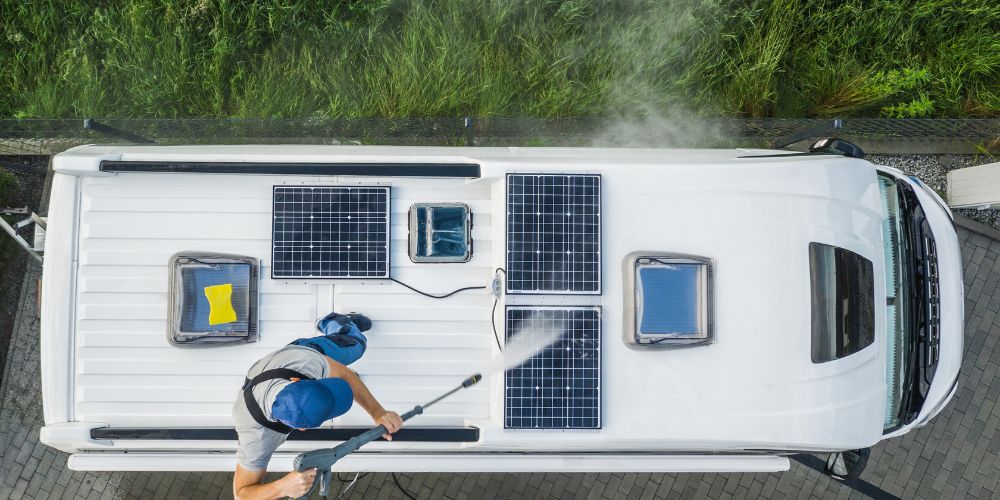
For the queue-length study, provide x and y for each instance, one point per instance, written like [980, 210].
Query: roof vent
[213, 299]
[668, 299]
[440, 232]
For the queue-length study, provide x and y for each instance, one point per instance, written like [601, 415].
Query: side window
[843, 302]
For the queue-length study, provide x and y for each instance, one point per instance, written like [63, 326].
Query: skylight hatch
[670, 300]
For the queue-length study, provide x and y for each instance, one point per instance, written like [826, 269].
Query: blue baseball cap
[308, 403]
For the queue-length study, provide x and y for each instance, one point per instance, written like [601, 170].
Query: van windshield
[896, 304]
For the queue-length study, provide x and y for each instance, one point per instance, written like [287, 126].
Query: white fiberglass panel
[126, 374]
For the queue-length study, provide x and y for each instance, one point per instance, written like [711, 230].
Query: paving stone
[978, 254]
[12, 475]
[58, 493]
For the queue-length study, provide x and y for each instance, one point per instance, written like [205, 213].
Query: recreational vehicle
[716, 310]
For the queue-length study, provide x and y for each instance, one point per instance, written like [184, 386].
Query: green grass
[544, 58]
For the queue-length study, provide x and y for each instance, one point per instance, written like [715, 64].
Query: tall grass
[547, 58]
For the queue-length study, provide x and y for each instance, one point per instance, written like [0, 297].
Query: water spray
[322, 460]
[537, 333]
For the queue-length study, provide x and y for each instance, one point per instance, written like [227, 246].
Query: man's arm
[390, 419]
[246, 484]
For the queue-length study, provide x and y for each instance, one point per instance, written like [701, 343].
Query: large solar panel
[560, 387]
[553, 234]
[330, 232]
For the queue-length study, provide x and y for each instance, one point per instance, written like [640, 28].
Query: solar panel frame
[530, 252]
[332, 261]
[543, 393]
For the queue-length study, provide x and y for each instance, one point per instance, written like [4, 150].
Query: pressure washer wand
[323, 459]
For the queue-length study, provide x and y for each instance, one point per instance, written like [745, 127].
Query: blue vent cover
[671, 300]
[195, 308]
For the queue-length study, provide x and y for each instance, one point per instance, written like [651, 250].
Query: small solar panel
[560, 387]
[553, 234]
[330, 232]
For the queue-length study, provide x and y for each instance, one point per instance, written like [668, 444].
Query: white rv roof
[111, 235]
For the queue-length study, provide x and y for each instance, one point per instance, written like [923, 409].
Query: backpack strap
[255, 411]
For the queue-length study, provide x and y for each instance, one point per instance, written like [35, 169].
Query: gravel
[933, 169]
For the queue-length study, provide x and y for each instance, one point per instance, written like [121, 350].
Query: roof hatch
[440, 232]
[668, 299]
[213, 298]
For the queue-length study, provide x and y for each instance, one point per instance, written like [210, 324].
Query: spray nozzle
[472, 380]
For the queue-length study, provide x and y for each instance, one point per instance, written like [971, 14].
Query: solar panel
[553, 234]
[560, 387]
[330, 232]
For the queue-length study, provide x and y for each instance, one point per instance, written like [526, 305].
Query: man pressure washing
[300, 386]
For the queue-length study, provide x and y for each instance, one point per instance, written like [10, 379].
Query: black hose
[401, 488]
[449, 294]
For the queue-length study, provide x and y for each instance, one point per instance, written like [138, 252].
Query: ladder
[37, 245]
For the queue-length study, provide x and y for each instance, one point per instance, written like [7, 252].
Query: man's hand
[392, 422]
[297, 484]
[247, 484]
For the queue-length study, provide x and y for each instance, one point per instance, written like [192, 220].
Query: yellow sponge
[220, 301]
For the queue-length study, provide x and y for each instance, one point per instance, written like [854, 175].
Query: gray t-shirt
[257, 443]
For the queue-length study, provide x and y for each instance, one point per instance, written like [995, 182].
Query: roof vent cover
[213, 299]
[668, 299]
[440, 232]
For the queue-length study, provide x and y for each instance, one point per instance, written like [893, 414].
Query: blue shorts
[341, 340]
